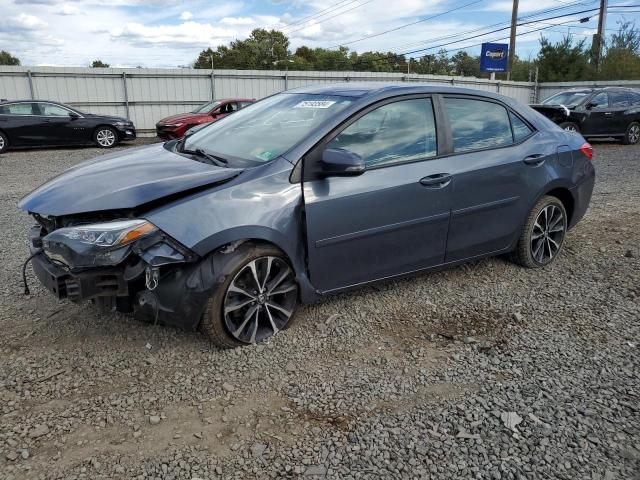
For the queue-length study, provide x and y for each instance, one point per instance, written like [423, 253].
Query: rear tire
[4, 143]
[632, 135]
[543, 234]
[105, 137]
[569, 127]
[242, 310]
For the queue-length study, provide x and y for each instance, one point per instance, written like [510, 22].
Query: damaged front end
[123, 264]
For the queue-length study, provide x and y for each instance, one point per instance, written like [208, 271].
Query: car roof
[375, 89]
[222, 100]
[4, 102]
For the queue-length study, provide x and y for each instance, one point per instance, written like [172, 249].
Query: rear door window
[397, 132]
[477, 124]
[18, 109]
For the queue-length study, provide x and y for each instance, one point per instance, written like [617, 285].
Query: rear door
[21, 123]
[394, 217]
[599, 116]
[498, 166]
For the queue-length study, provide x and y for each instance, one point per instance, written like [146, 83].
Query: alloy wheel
[260, 299]
[570, 128]
[1, 143]
[634, 134]
[105, 138]
[547, 234]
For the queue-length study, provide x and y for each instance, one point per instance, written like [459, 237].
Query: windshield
[268, 128]
[568, 99]
[207, 107]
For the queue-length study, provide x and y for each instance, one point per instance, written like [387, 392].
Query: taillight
[587, 150]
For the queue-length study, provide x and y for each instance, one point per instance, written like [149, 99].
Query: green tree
[264, 50]
[7, 59]
[563, 61]
[99, 64]
[465, 64]
[621, 60]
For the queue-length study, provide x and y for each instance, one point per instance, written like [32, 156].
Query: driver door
[59, 126]
[389, 220]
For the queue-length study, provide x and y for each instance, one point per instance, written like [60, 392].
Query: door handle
[535, 160]
[439, 180]
[608, 113]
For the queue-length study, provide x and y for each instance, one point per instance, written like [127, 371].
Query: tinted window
[53, 110]
[601, 100]
[569, 99]
[206, 108]
[520, 129]
[635, 98]
[619, 99]
[17, 109]
[477, 124]
[396, 132]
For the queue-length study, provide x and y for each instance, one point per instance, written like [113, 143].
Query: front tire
[4, 143]
[105, 137]
[632, 135]
[569, 127]
[257, 299]
[543, 234]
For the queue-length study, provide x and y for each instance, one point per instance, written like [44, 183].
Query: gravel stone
[406, 379]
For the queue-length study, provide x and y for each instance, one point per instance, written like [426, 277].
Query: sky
[161, 33]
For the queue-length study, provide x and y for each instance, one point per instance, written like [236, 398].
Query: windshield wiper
[219, 161]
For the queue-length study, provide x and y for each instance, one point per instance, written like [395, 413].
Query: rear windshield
[568, 99]
[268, 128]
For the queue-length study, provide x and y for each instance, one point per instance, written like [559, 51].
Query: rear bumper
[582, 196]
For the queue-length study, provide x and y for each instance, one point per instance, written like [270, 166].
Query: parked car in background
[596, 112]
[306, 193]
[42, 123]
[176, 126]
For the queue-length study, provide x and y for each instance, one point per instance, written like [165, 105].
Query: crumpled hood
[181, 117]
[122, 180]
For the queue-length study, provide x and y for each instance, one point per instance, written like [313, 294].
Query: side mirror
[590, 105]
[338, 162]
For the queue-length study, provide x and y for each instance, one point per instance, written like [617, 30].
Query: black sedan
[39, 123]
[596, 112]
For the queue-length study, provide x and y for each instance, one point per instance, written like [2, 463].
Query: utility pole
[512, 40]
[596, 45]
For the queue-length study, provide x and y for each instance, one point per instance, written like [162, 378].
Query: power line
[329, 18]
[407, 24]
[319, 13]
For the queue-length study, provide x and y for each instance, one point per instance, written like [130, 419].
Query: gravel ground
[487, 370]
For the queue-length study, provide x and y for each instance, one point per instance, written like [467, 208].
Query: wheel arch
[228, 240]
[563, 194]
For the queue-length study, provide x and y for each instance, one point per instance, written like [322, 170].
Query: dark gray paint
[382, 223]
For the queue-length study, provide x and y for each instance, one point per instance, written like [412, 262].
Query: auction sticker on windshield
[315, 104]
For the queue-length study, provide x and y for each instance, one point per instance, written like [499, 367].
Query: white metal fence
[147, 95]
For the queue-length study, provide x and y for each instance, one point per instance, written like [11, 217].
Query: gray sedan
[306, 193]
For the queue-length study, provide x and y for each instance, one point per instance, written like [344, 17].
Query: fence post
[126, 94]
[213, 85]
[286, 79]
[30, 78]
[498, 86]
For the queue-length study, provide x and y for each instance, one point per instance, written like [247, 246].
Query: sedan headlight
[95, 244]
[173, 125]
[123, 124]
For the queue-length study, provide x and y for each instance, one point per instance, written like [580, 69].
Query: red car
[176, 125]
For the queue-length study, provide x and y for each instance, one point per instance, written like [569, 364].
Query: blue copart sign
[494, 57]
